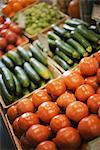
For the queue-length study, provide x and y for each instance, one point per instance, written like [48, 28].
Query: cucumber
[25, 91]
[23, 53]
[78, 47]
[32, 87]
[15, 58]
[40, 68]
[22, 77]
[63, 56]
[72, 23]
[52, 44]
[8, 62]
[68, 28]
[42, 83]
[38, 55]
[8, 79]
[32, 74]
[38, 44]
[87, 34]
[78, 37]
[67, 49]
[1, 65]
[29, 53]
[53, 36]
[4, 92]
[61, 62]
[81, 21]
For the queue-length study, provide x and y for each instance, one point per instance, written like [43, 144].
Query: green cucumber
[78, 47]
[67, 49]
[63, 56]
[32, 87]
[40, 68]
[42, 83]
[72, 23]
[25, 91]
[53, 36]
[81, 21]
[32, 74]
[15, 58]
[8, 62]
[38, 44]
[52, 44]
[61, 62]
[68, 28]
[22, 76]
[4, 92]
[29, 53]
[1, 65]
[78, 37]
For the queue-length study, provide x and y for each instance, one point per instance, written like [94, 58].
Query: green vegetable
[8, 62]
[32, 87]
[72, 23]
[68, 28]
[53, 36]
[1, 65]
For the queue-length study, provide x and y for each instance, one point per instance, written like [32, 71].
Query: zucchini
[1, 65]
[32, 87]
[32, 74]
[67, 49]
[22, 77]
[52, 44]
[23, 53]
[61, 62]
[63, 56]
[53, 36]
[78, 47]
[8, 79]
[40, 68]
[8, 62]
[29, 53]
[72, 23]
[25, 91]
[38, 55]
[15, 58]
[81, 21]
[4, 92]
[68, 28]
[78, 37]
[38, 44]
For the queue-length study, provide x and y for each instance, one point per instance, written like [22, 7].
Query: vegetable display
[62, 115]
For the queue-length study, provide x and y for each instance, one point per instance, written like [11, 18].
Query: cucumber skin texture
[15, 58]
[25, 91]
[31, 73]
[8, 62]
[53, 36]
[32, 87]
[1, 65]
[4, 92]
[61, 62]
[22, 77]
[40, 68]
[8, 79]
[72, 23]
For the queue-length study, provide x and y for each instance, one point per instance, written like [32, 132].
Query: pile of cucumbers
[21, 72]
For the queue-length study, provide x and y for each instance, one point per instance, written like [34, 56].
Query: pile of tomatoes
[64, 114]
[14, 6]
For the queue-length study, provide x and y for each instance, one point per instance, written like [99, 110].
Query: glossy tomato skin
[56, 87]
[37, 133]
[47, 110]
[40, 96]
[99, 112]
[27, 120]
[68, 138]
[46, 145]
[25, 105]
[24, 142]
[83, 92]
[73, 80]
[65, 99]
[12, 113]
[89, 127]
[92, 81]
[76, 111]
[98, 76]
[98, 91]
[59, 121]
[93, 103]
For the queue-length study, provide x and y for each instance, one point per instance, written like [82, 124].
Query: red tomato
[97, 55]
[68, 138]
[24, 142]
[56, 87]
[98, 76]
[88, 66]
[92, 81]
[1, 19]
[98, 91]
[3, 32]
[99, 112]
[10, 47]
[37, 133]
[65, 99]
[12, 113]
[19, 41]
[76, 111]
[59, 121]
[46, 145]
[83, 92]
[16, 29]
[40, 96]
[3, 43]
[93, 103]
[89, 127]
[47, 110]
[11, 37]
[73, 80]
[24, 106]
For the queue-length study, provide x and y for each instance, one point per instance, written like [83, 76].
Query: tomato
[46, 145]
[68, 138]
[16, 29]
[1, 19]
[37, 133]
[10, 47]
[17, 6]
[98, 76]
[12, 113]
[19, 41]
[89, 127]
[47, 110]
[93, 103]
[83, 92]
[99, 112]
[3, 32]
[6, 10]
[25, 105]
[88, 66]
[73, 80]
[76, 111]
[3, 43]
[56, 87]
[65, 99]
[97, 55]
[24, 142]
[92, 81]
[98, 91]
[59, 121]
[40, 96]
